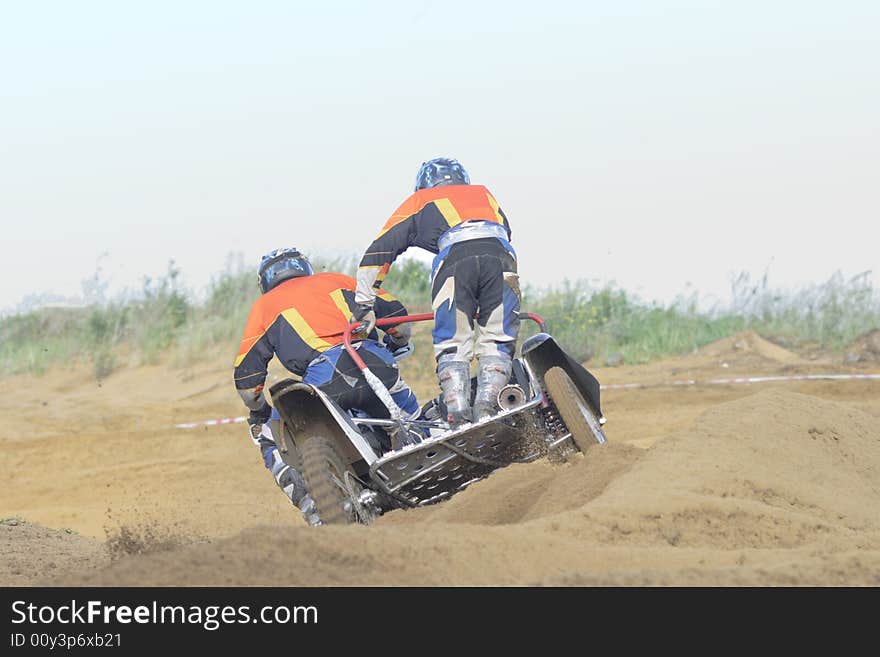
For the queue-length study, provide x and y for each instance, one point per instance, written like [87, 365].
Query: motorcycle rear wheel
[324, 472]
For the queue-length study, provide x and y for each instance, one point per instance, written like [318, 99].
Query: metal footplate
[435, 468]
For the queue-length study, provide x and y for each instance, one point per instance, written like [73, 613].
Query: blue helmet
[441, 171]
[281, 264]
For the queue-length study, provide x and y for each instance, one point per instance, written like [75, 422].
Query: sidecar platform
[438, 467]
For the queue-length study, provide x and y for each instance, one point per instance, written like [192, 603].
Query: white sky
[662, 145]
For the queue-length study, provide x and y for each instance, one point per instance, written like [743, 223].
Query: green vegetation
[605, 325]
[610, 326]
[150, 323]
[831, 314]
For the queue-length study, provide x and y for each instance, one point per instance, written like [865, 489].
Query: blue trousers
[336, 374]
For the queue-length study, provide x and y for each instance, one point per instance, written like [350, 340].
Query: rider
[300, 318]
[474, 276]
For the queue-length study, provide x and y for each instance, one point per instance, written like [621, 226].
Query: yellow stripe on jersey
[495, 208]
[252, 341]
[448, 211]
[341, 303]
[304, 330]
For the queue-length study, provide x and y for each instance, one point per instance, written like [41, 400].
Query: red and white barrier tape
[630, 386]
[746, 379]
[211, 423]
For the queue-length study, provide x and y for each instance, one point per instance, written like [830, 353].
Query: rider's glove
[397, 337]
[397, 341]
[260, 416]
[403, 352]
[366, 315]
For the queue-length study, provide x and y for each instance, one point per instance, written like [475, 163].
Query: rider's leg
[499, 299]
[493, 373]
[289, 480]
[343, 382]
[455, 385]
[347, 386]
[381, 362]
[452, 298]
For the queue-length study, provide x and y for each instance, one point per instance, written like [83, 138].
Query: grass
[830, 315]
[150, 322]
[609, 326]
[605, 325]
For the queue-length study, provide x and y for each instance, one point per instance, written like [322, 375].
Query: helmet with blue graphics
[280, 265]
[441, 171]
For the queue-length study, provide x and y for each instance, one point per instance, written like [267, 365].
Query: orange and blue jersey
[420, 221]
[297, 321]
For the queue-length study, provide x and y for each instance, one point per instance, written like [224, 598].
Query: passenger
[473, 278]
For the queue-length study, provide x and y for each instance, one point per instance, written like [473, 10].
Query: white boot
[309, 511]
[455, 382]
[493, 373]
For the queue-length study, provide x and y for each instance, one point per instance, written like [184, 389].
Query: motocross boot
[455, 384]
[394, 437]
[430, 410]
[294, 486]
[401, 438]
[309, 511]
[493, 373]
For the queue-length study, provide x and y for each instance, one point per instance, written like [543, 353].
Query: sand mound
[740, 355]
[865, 348]
[777, 487]
[32, 553]
[774, 469]
[749, 342]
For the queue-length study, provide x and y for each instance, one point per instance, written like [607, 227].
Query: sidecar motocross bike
[549, 406]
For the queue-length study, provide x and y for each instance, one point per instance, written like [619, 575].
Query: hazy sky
[657, 144]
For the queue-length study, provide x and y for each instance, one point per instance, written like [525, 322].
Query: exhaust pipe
[511, 396]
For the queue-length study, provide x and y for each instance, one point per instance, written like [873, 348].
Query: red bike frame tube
[535, 317]
[424, 317]
[346, 336]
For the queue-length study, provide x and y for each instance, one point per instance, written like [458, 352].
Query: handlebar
[385, 321]
[423, 317]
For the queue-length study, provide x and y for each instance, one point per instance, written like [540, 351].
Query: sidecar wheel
[574, 410]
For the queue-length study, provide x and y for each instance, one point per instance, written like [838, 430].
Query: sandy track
[761, 484]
